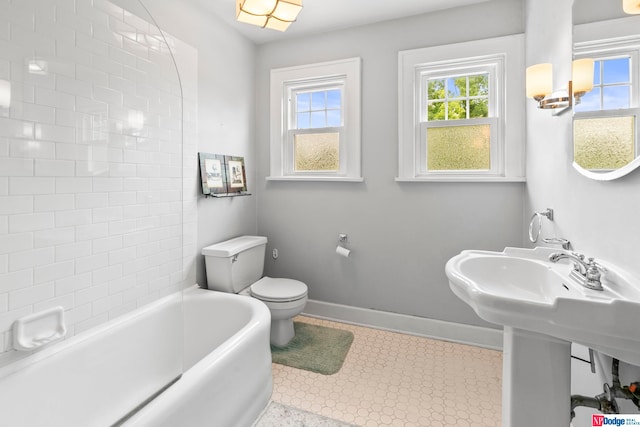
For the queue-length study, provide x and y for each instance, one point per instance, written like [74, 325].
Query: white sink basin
[522, 289]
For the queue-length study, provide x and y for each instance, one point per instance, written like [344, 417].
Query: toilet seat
[278, 289]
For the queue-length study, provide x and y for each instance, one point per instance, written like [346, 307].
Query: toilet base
[282, 314]
[281, 332]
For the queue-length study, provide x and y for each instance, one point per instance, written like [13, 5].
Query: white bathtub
[96, 378]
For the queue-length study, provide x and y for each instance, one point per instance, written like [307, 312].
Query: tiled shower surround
[94, 213]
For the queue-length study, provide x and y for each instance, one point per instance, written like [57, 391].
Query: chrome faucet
[578, 260]
[587, 273]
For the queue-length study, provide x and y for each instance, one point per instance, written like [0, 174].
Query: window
[605, 120]
[453, 103]
[315, 122]
[315, 128]
[458, 121]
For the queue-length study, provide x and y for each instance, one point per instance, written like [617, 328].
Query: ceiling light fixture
[274, 14]
[631, 7]
[540, 85]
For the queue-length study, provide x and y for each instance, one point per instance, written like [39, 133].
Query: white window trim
[510, 165]
[283, 81]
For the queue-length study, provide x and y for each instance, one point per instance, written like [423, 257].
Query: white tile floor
[393, 379]
[278, 415]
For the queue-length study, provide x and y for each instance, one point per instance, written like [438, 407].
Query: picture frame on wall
[236, 175]
[222, 175]
[212, 173]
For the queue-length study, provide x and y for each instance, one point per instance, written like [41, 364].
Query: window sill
[464, 179]
[316, 178]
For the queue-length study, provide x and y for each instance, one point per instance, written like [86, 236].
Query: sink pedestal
[536, 380]
[543, 309]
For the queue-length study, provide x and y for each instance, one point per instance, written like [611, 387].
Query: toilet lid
[271, 289]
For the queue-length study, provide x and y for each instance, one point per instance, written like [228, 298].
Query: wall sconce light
[274, 14]
[582, 78]
[540, 85]
[5, 94]
[631, 7]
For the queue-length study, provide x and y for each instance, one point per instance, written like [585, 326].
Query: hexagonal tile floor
[393, 379]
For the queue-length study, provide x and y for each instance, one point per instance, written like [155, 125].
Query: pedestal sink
[543, 310]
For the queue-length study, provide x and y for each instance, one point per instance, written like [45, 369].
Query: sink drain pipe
[606, 402]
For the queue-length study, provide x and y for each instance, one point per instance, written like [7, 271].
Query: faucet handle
[598, 266]
[593, 274]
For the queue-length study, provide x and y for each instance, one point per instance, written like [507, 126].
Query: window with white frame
[605, 120]
[315, 122]
[453, 104]
[459, 120]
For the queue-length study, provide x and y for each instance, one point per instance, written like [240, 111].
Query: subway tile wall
[95, 215]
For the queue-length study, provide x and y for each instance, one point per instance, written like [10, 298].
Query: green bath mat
[314, 348]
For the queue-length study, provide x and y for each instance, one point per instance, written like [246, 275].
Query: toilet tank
[234, 264]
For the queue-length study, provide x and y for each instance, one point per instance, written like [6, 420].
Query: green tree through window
[452, 105]
[458, 97]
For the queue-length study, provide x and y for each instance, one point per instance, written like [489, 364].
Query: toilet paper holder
[341, 249]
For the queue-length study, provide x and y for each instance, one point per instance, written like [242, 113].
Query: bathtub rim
[258, 324]
[259, 320]
[60, 346]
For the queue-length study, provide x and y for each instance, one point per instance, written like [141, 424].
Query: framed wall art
[222, 176]
[236, 176]
[212, 172]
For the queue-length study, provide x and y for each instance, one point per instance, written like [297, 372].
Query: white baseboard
[413, 325]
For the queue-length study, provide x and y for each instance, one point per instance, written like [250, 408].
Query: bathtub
[219, 376]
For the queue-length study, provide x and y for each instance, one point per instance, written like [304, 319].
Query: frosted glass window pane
[454, 148]
[317, 152]
[604, 143]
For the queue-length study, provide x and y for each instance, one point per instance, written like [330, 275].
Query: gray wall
[401, 234]
[585, 11]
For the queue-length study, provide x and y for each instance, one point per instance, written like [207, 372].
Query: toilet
[237, 265]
